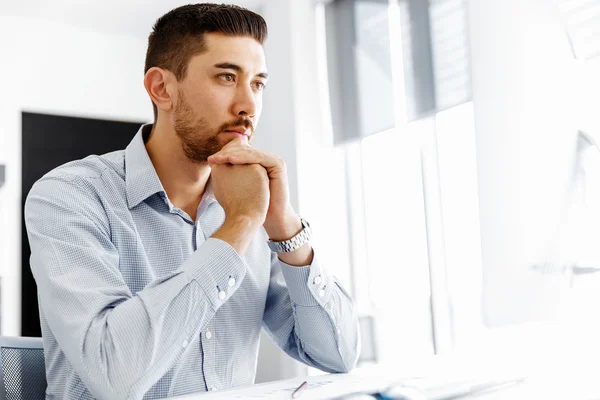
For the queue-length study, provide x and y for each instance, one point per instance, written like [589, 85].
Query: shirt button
[213, 388]
[321, 293]
[222, 294]
[231, 281]
[318, 280]
[338, 330]
[208, 334]
[184, 344]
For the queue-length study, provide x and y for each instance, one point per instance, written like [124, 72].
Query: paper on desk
[319, 387]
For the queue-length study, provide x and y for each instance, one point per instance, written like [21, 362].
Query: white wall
[54, 68]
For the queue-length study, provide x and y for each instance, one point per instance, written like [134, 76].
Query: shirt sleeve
[311, 317]
[118, 343]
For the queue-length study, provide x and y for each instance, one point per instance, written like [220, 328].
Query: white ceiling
[127, 17]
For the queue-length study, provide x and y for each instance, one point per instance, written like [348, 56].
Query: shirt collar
[207, 198]
[141, 180]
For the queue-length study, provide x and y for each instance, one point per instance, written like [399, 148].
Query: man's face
[220, 98]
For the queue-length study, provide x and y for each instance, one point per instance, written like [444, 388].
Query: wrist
[283, 228]
[238, 232]
[243, 223]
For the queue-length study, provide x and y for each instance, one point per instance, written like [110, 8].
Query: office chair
[22, 369]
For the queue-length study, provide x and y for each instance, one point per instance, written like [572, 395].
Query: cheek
[218, 104]
[210, 96]
[210, 106]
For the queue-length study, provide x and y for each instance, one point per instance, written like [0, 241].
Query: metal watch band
[294, 243]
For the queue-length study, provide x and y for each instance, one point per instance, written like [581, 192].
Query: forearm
[328, 336]
[322, 325]
[326, 323]
[120, 344]
[118, 340]
[238, 232]
[128, 349]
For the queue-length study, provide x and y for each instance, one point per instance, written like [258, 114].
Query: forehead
[244, 51]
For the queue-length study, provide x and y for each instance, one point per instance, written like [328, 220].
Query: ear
[158, 84]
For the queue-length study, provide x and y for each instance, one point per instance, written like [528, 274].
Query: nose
[245, 104]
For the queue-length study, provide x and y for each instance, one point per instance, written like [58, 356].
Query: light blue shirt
[138, 301]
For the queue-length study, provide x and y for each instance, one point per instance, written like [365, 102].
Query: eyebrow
[239, 69]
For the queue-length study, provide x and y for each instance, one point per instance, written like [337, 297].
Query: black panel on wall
[49, 141]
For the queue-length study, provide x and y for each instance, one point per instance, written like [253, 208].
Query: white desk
[320, 387]
[434, 373]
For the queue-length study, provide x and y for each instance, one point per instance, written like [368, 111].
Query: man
[158, 265]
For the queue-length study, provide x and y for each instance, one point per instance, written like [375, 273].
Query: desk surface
[434, 376]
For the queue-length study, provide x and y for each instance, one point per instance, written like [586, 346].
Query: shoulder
[84, 186]
[89, 172]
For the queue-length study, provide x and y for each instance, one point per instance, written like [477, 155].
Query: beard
[198, 140]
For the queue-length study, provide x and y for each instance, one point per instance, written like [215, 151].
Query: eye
[260, 85]
[227, 77]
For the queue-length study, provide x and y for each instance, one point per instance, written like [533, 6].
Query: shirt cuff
[218, 269]
[308, 285]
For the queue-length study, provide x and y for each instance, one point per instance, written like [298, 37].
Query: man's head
[205, 70]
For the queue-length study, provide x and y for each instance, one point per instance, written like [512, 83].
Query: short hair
[178, 35]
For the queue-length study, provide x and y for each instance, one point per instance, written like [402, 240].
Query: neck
[183, 180]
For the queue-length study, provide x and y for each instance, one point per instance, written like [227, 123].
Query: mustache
[245, 122]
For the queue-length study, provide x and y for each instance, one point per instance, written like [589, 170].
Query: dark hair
[177, 36]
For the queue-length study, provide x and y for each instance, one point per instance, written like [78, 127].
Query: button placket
[322, 291]
[210, 356]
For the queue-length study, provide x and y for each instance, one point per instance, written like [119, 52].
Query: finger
[238, 142]
[223, 157]
[224, 154]
[265, 159]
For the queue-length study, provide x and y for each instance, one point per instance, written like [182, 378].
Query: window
[385, 89]
[452, 202]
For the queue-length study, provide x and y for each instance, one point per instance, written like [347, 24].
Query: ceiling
[126, 17]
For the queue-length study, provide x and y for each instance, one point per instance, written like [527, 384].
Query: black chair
[22, 369]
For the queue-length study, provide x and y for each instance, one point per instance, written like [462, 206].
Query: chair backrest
[22, 369]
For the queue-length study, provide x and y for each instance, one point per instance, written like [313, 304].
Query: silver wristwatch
[294, 243]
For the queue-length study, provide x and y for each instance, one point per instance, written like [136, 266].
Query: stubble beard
[198, 142]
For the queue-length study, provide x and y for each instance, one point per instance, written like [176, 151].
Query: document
[319, 387]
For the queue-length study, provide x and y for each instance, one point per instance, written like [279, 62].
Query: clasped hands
[254, 183]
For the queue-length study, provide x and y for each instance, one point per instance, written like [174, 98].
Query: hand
[281, 222]
[280, 218]
[242, 191]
